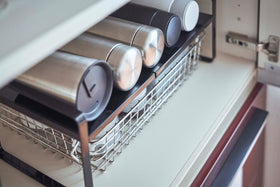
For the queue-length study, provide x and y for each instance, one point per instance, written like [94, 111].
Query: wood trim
[212, 166]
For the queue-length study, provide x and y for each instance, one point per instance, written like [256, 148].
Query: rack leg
[211, 59]
[214, 12]
[83, 132]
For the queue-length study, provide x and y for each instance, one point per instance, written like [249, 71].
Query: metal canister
[82, 82]
[125, 61]
[149, 40]
[169, 23]
[187, 10]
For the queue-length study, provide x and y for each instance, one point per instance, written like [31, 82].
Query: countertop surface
[177, 141]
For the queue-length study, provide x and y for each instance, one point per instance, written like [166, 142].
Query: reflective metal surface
[169, 24]
[149, 40]
[85, 83]
[125, 61]
[188, 11]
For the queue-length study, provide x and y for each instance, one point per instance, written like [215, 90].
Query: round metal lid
[170, 24]
[188, 11]
[150, 41]
[126, 63]
[95, 90]
[191, 15]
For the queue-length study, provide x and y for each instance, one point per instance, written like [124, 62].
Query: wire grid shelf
[111, 141]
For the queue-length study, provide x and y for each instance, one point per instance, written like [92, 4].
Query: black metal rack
[73, 123]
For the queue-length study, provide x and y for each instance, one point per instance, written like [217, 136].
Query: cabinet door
[269, 32]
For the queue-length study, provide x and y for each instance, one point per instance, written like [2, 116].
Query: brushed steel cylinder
[187, 10]
[125, 61]
[149, 40]
[169, 24]
[82, 82]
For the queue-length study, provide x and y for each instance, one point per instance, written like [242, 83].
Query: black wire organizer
[66, 131]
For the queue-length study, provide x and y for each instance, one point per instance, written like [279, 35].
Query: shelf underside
[29, 25]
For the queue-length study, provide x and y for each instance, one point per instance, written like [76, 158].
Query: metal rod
[83, 132]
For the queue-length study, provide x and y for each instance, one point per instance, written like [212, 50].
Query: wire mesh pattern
[111, 141]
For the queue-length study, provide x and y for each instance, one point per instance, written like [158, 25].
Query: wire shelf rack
[111, 141]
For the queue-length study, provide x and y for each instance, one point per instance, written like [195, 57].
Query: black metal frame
[28, 170]
[72, 122]
[211, 59]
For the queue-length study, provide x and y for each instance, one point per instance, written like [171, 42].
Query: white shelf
[173, 147]
[33, 29]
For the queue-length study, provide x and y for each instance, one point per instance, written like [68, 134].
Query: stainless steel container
[82, 82]
[187, 10]
[168, 23]
[149, 40]
[125, 61]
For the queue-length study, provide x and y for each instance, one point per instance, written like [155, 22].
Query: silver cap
[126, 63]
[150, 41]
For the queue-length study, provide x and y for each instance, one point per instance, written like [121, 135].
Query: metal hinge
[271, 48]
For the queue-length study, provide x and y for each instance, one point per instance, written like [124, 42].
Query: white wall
[272, 141]
[240, 16]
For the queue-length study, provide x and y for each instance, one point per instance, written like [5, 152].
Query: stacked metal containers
[125, 61]
[133, 37]
[187, 10]
[79, 75]
[168, 23]
[149, 40]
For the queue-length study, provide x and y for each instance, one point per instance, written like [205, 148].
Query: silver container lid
[126, 63]
[188, 11]
[151, 42]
